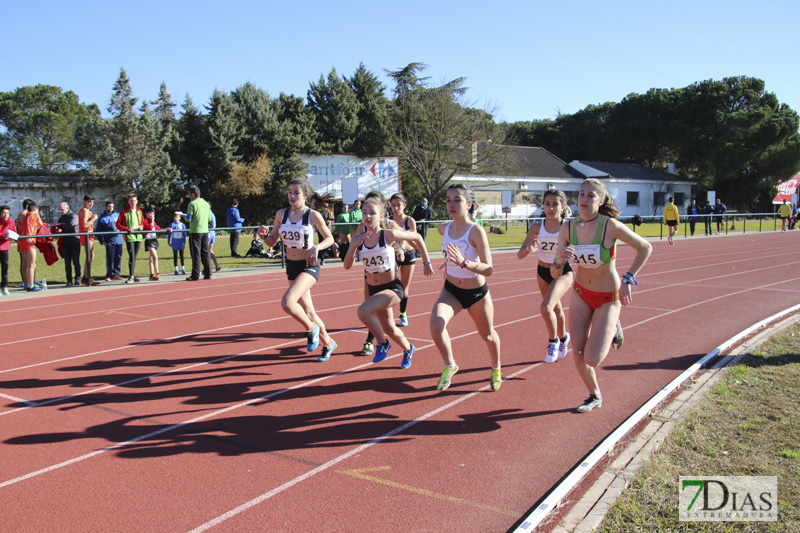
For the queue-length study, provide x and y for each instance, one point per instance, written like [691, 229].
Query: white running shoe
[563, 348]
[552, 352]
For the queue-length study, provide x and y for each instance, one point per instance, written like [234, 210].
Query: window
[680, 198]
[633, 198]
[659, 198]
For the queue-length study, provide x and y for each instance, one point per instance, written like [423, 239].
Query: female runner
[545, 234]
[409, 258]
[468, 261]
[383, 286]
[295, 226]
[589, 241]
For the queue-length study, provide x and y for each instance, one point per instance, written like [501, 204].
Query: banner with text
[787, 190]
[328, 173]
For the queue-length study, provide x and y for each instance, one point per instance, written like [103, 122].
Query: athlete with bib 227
[589, 242]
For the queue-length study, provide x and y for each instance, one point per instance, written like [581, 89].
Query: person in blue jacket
[177, 241]
[112, 243]
[234, 220]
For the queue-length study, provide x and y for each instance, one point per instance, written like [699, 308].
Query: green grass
[745, 426]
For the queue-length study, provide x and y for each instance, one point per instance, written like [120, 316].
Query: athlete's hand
[567, 254]
[533, 243]
[454, 254]
[262, 231]
[361, 237]
[626, 294]
[311, 258]
[427, 269]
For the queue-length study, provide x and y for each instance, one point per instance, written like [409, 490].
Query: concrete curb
[588, 513]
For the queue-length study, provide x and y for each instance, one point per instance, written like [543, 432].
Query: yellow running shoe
[447, 373]
[497, 378]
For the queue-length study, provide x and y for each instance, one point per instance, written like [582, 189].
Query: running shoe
[33, 288]
[407, 355]
[619, 338]
[552, 352]
[327, 351]
[497, 378]
[116, 278]
[447, 374]
[176, 272]
[313, 338]
[218, 268]
[368, 349]
[381, 351]
[592, 402]
[403, 320]
[563, 348]
[129, 280]
[135, 279]
[5, 291]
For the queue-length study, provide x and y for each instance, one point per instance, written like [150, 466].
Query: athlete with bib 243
[385, 290]
[589, 242]
[295, 226]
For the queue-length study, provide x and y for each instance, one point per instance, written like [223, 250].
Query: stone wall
[50, 190]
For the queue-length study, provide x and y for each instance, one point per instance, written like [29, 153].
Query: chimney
[671, 168]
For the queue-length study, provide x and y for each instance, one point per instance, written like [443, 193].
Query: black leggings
[133, 251]
[175, 254]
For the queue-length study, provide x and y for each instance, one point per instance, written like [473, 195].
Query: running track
[193, 406]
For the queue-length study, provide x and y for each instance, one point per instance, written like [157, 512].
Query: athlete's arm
[530, 241]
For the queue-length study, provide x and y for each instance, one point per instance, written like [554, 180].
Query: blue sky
[527, 59]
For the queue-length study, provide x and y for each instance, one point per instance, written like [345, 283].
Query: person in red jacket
[129, 220]
[27, 247]
[6, 224]
[151, 241]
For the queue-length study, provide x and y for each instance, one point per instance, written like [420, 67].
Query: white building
[530, 171]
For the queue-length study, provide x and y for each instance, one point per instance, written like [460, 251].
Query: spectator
[692, 212]
[793, 220]
[20, 228]
[671, 218]
[422, 213]
[719, 211]
[113, 243]
[6, 225]
[257, 249]
[199, 216]
[343, 230]
[785, 212]
[86, 225]
[234, 220]
[177, 241]
[355, 218]
[212, 238]
[70, 246]
[151, 242]
[131, 220]
[707, 211]
[27, 248]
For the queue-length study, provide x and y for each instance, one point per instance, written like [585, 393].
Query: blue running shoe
[407, 355]
[381, 350]
[313, 338]
[327, 351]
[403, 320]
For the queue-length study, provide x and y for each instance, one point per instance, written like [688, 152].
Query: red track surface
[194, 405]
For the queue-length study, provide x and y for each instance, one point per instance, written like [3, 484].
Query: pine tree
[335, 109]
[372, 136]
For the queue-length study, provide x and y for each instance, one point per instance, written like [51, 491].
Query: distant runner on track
[590, 242]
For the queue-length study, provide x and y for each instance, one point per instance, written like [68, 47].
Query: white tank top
[547, 245]
[298, 234]
[379, 258]
[466, 249]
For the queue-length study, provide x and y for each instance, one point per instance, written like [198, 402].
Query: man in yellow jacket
[785, 212]
[671, 218]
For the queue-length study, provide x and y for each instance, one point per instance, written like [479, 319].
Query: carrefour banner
[334, 174]
[786, 191]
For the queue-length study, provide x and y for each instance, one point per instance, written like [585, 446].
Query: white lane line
[19, 400]
[224, 410]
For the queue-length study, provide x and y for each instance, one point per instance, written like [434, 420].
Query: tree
[335, 110]
[248, 180]
[435, 130]
[372, 135]
[132, 151]
[224, 132]
[192, 138]
[40, 125]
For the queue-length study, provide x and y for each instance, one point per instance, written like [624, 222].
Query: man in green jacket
[199, 216]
